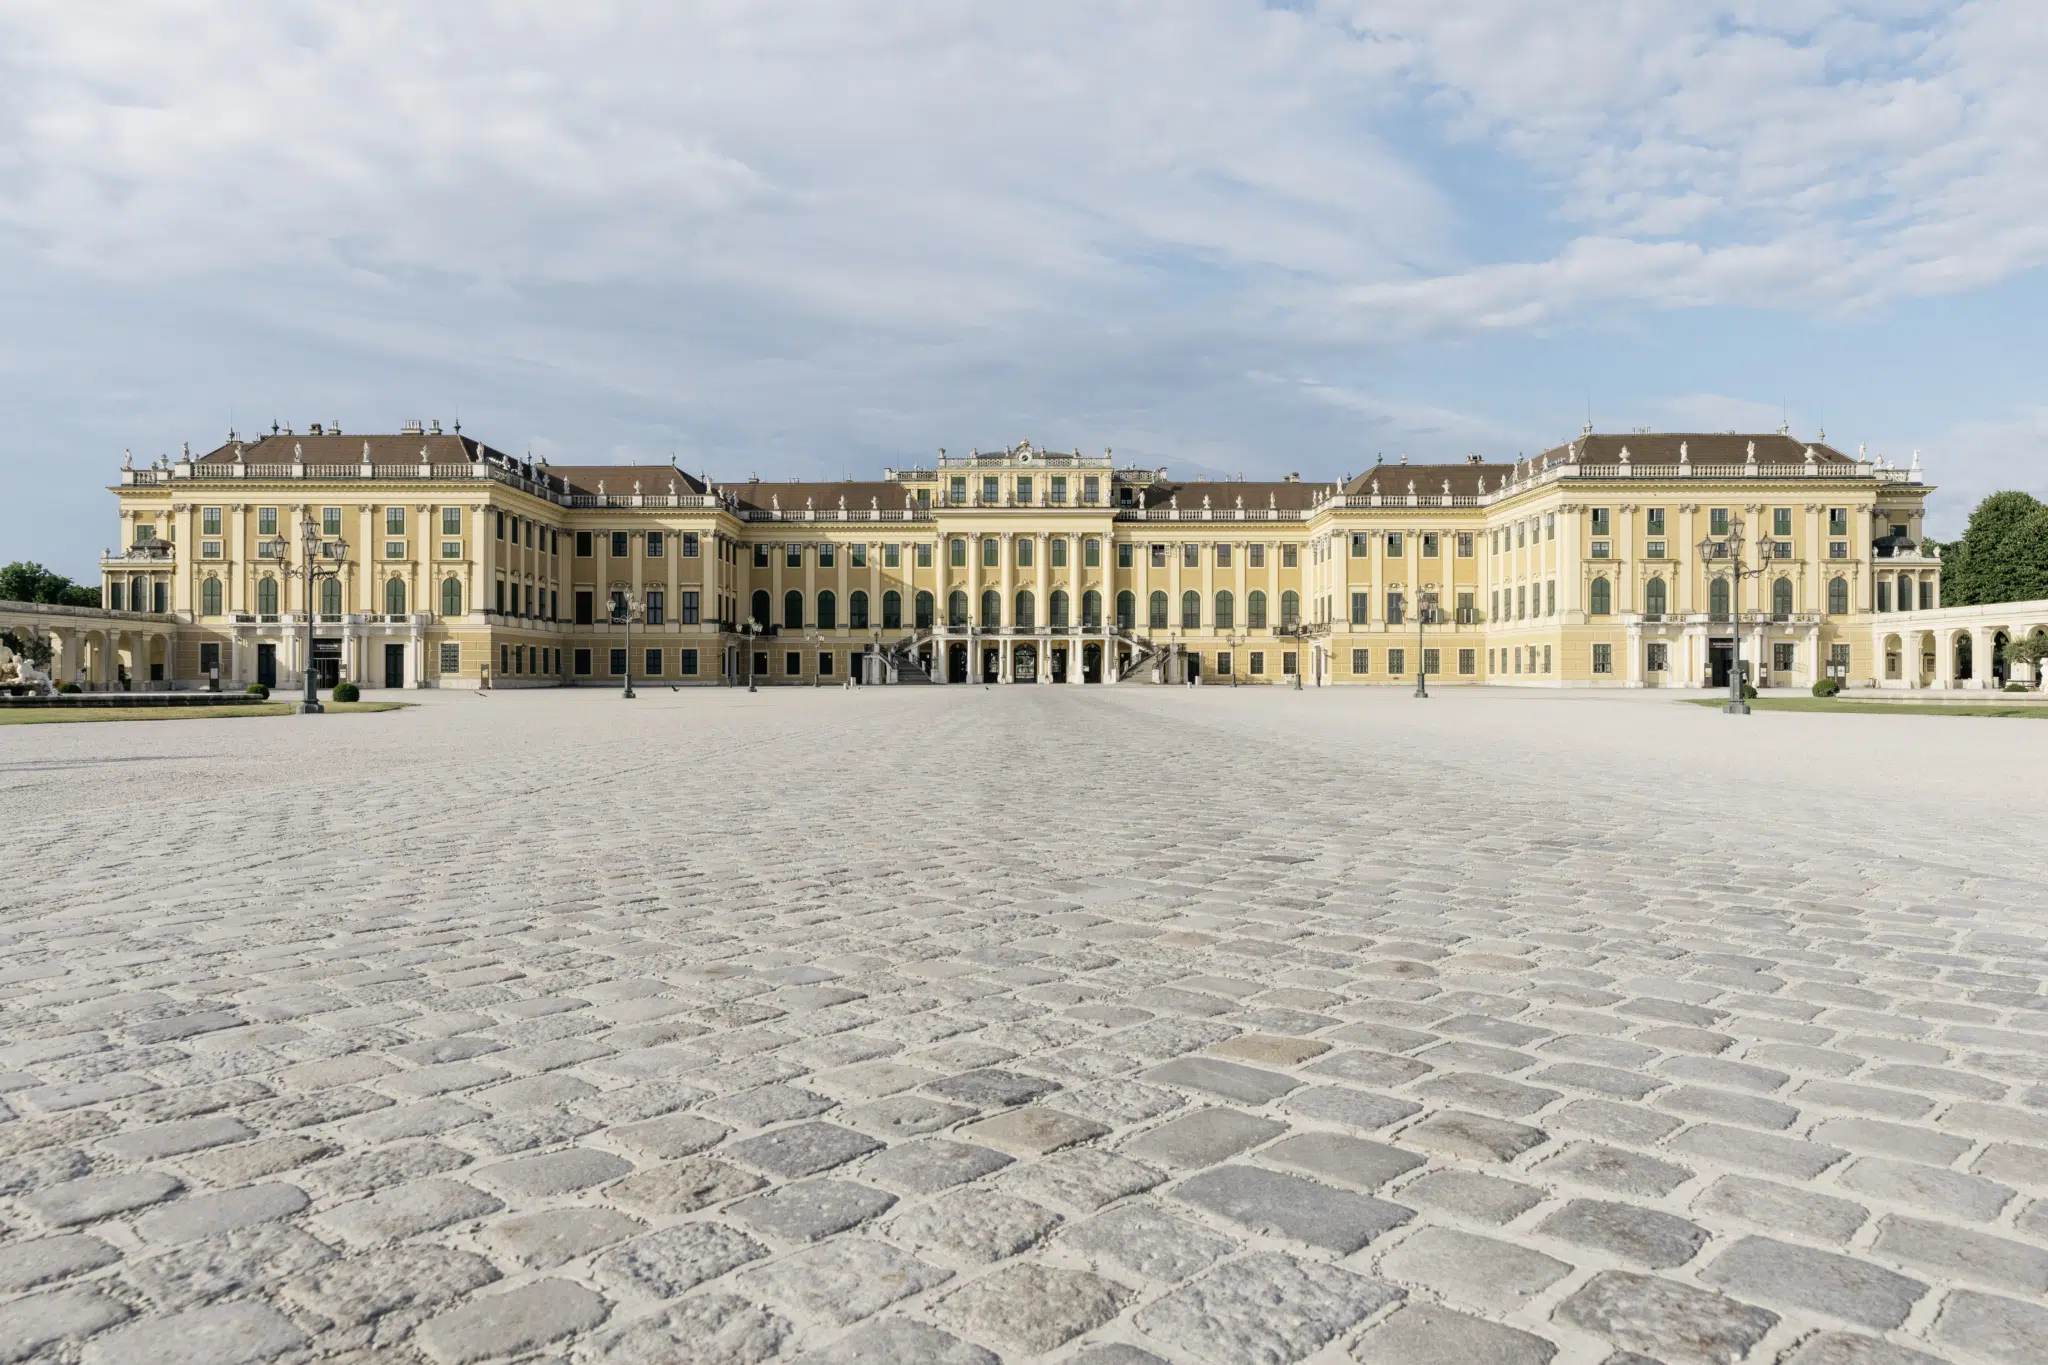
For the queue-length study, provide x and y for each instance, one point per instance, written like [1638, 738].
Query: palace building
[443, 562]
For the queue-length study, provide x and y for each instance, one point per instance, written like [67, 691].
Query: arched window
[828, 610]
[1601, 601]
[991, 609]
[1781, 599]
[394, 597]
[1226, 611]
[892, 610]
[1905, 598]
[1091, 610]
[1062, 606]
[1290, 609]
[1655, 600]
[857, 610]
[330, 596]
[1717, 598]
[1191, 610]
[209, 597]
[1156, 611]
[1127, 610]
[760, 613]
[792, 610]
[451, 597]
[1027, 610]
[266, 596]
[1838, 596]
[925, 605]
[1255, 609]
[956, 610]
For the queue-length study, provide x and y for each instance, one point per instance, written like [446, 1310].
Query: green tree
[27, 581]
[2003, 555]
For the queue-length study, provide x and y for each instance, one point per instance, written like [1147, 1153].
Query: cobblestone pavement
[960, 1025]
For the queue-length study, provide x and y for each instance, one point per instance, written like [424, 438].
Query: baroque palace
[440, 561]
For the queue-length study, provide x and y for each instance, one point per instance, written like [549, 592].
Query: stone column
[482, 559]
[1981, 676]
[1687, 557]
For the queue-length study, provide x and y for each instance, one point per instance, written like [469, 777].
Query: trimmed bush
[258, 691]
[347, 691]
[69, 689]
[2017, 687]
[1826, 687]
[1748, 692]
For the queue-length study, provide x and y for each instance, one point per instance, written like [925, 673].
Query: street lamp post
[1425, 613]
[624, 606]
[749, 628]
[1730, 548]
[315, 549]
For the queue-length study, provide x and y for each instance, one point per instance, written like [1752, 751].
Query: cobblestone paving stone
[1111, 1027]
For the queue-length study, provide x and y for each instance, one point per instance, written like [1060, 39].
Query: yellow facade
[464, 566]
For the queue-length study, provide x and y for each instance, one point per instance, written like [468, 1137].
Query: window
[1091, 610]
[209, 597]
[622, 545]
[892, 556]
[1290, 609]
[1127, 610]
[209, 521]
[1550, 598]
[991, 492]
[394, 521]
[1226, 611]
[1600, 548]
[1654, 522]
[1601, 601]
[209, 549]
[1656, 658]
[1158, 556]
[1361, 544]
[1717, 599]
[1781, 599]
[1224, 666]
[1156, 611]
[1060, 606]
[1396, 609]
[1550, 526]
[1223, 557]
[1431, 661]
[1838, 549]
[1432, 545]
[926, 605]
[1125, 557]
[1397, 662]
[1603, 658]
[1655, 602]
[828, 610]
[266, 521]
[957, 553]
[1838, 596]
[451, 597]
[825, 664]
[504, 661]
[394, 597]
[1927, 594]
[1521, 602]
[584, 607]
[1521, 534]
[651, 665]
[1781, 521]
[1361, 608]
[1603, 521]
[394, 549]
[1838, 521]
[792, 610]
[828, 556]
[1468, 662]
[618, 662]
[1361, 661]
[956, 610]
[451, 549]
[1091, 489]
[1258, 669]
[792, 664]
[991, 608]
[892, 609]
[1191, 610]
[1464, 545]
[657, 607]
[1191, 556]
[857, 611]
[1025, 551]
[957, 491]
[1059, 490]
[1024, 489]
[1027, 610]
[1255, 609]
[581, 662]
[583, 546]
[1783, 658]
[657, 544]
[1884, 594]
[1290, 664]
[1717, 521]
[1546, 658]
[1653, 549]
[1396, 544]
[991, 553]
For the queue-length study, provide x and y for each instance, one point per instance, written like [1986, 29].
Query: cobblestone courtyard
[956, 1025]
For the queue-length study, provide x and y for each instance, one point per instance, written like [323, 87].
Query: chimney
[1475, 459]
[314, 429]
[434, 427]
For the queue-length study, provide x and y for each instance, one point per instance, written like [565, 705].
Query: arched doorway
[1059, 663]
[991, 663]
[1024, 664]
[1091, 663]
[956, 662]
[2001, 668]
[1963, 659]
[1894, 652]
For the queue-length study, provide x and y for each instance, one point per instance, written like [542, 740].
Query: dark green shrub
[69, 689]
[1826, 687]
[347, 691]
[258, 691]
[1748, 692]
[2017, 687]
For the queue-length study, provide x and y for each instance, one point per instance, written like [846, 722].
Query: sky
[813, 238]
